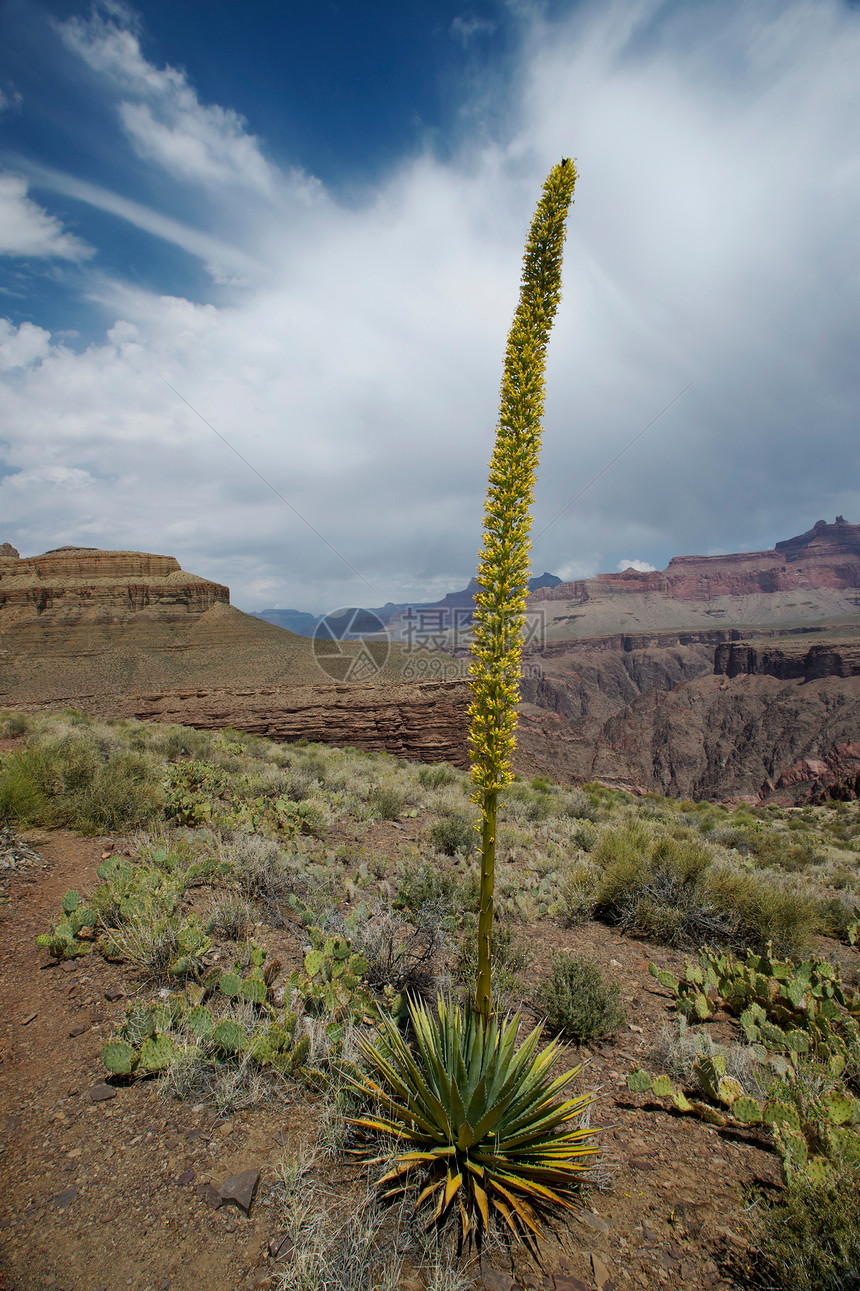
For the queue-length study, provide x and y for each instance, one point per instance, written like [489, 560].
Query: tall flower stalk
[481, 1126]
[503, 568]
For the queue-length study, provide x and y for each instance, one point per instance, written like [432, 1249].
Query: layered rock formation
[84, 585]
[422, 721]
[813, 578]
[765, 718]
[123, 634]
[697, 709]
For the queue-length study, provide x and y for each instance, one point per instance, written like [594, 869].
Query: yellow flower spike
[503, 568]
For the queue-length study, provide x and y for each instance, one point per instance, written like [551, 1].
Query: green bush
[431, 894]
[759, 910]
[436, 777]
[577, 1002]
[809, 1237]
[452, 834]
[666, 887]
[82, 782]
[385, 801]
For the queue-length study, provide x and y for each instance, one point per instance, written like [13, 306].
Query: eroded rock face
[422, 721]
[764, 719]
[81, 584]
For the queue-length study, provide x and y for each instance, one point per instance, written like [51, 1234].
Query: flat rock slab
[240, 1189]
[64, 1199]
[101, 1093]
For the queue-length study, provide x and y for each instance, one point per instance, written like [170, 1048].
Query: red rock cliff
[828, 555]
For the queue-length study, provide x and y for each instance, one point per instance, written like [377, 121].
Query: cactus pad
[254, 990]
[747, 1110]
[229, 1036]
[639, 1081]
[230, 985]
[119, 1057]
[157, 1052]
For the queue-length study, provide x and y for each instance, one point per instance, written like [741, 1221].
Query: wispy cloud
[163, 117]
[466, 27]
[219, 254]
[26, 229]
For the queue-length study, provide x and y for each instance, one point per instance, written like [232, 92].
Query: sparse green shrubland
[218, 834]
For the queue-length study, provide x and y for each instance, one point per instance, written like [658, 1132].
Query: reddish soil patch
[113, 1193]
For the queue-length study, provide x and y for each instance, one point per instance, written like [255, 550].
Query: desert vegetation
[228, 835]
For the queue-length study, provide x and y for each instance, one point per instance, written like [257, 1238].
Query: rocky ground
[109, 1187]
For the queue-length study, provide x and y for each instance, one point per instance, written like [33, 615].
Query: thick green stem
[485, 912]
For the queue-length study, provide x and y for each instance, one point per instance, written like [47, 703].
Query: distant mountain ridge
[304, 624]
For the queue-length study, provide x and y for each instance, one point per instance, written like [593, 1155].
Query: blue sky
[303, 224]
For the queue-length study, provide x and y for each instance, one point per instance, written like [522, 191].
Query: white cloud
[164, 119]
[357, 365]
[28, 230]
[640, 566]
[10, 101]
[218, 255]
[21, 346]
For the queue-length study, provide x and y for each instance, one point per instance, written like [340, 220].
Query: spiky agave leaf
[484, 1124]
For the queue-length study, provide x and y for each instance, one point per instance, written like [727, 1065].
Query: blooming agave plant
[482, 1121]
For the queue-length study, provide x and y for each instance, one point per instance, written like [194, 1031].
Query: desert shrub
[521, 802]
[14, 725]
[756, 910]
[509, 956]
[577, 804]
[82, 781]
[172, 742]
[436, 777]
[809, 1236]
[452, 834]
[385, 801]
[230, 915]
[432, 894]
[400, 959]
[679, 1047]
[578, 892]
[260, 871]
[22, 795]
[650, 885]
[667, 887]
[577, 1002]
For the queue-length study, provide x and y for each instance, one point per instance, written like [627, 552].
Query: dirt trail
[103, 1194]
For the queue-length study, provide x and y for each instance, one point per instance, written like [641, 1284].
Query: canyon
[730, 677]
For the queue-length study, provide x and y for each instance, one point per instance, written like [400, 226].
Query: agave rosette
[485, 1118]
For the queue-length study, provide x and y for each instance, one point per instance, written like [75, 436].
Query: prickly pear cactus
[120, 1057]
